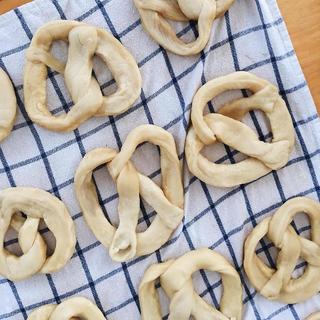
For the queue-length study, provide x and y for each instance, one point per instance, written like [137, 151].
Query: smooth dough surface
[176, 279]
[124, 242]
[71, 309]
[225, 126]
[154, 15]
[8, 105]
[278, 284]
[36, 204]
[85, 41]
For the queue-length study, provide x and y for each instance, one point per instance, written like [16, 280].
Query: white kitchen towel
[252, 36]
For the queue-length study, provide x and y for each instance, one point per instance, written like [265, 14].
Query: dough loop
[176, 280]
[85, 41]
[225, 126]
[278, 284]
[123, 242]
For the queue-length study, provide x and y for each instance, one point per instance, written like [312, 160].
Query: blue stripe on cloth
[176, 85]
[280, 85]
[51, 177]
[274, 173]
[281, 88]
[210, 207]
[119, 143]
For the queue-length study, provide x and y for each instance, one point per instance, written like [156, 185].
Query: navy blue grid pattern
[252, 37]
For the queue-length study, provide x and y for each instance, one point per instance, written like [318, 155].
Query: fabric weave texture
[252, 36]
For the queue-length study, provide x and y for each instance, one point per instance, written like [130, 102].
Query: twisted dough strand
[124, 242]
[36, 204]
[71, 309]
[155, 12]
[84, 42]
[176, 280]
[8, 105]
[278, 284]
[225, 126]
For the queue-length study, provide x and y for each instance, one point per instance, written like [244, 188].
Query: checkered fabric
[252, 36]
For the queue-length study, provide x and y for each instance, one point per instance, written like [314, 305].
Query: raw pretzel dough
[225, 126]
[85, 41]
[8, 105]
[36, 204]
[71, 309]
[278, 284]
[124, 243]
[176, 280]
[155, 12]
[314, 316]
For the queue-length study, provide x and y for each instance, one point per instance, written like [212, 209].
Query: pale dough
[176, 280]
[225, 126]
[8, 105]
[154, 15]
[314, 316]
[124, 242]
[36, 204]
[278, 284]
[71, 309]
[85, 41]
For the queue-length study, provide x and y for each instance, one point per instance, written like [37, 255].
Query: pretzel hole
[60, 101]
[260, 124]
[268, 253]
[48, 237]
[208, 286]
[107, 194]
[147, 153]
[255, 119]
[185, 31]
[11, 238]
[55, 81]
[301, 224]
[11, 242]
[59, 50]
[220, 153]
[104, 76]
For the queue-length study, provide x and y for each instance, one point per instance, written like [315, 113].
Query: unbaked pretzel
[314, 316]
[176, 280]
[71, 309]
[36, 204]
[85, 41]
[124, 243]
[278, 284]
[225, 126]
[155, 12]
[8, 105]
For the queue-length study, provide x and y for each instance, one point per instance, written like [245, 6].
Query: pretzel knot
[124, 243]
[8, 105]
[176, 280]
[84, 42]
[71, 309]
[278, 284]
[225, 126]
[36, 204]
[155, 12]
